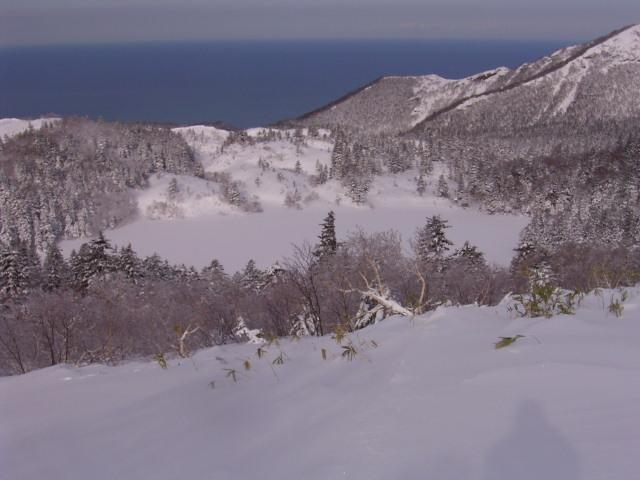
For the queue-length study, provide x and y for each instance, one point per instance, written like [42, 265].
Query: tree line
[107, 304]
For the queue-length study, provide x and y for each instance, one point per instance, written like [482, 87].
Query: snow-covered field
[430, 399]
[196, 225]
[266, 237]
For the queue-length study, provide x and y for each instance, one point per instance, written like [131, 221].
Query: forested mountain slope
[73, 177]
[557, 139]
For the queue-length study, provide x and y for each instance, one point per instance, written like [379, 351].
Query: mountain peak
[624, 45]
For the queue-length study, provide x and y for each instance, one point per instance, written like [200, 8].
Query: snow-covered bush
[544, 299]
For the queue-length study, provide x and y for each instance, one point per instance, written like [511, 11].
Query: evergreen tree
[252, 278]
[469, 257]
[328, 243]
[214, 273]
[470, 252]
[128, 263]
[56, 271]
[92, 261]
[339, 156]
[421, 185]
[156, 268]
[443, 187]
[431, 242]
[14, 277]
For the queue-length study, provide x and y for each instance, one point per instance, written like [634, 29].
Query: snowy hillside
[564, 85]
[197, 223]
[14, 126]
[424, 398]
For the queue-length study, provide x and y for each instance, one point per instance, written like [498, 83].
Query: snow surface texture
[597, 78]
[432, 399]
[565, 83]
[197, 225]
[434, 93]
[14, 126]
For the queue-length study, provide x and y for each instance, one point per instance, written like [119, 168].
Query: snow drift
[424, 398]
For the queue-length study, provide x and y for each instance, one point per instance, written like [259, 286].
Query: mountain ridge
[407, 104]
[581, 50]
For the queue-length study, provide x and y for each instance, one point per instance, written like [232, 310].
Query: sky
[43, 22]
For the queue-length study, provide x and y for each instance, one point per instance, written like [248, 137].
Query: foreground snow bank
[428, 398]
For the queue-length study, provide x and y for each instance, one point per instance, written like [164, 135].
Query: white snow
[614, 52]
[617, 50]
[14, 126]
[621, 48]
[266, 237]
[195, 198]
[198, 225]
[433, 92]
[432, 399]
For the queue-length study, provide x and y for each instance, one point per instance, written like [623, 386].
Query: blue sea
[243, 84]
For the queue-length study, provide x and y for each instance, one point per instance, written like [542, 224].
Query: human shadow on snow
[533, 450]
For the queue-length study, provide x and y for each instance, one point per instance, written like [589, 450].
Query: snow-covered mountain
[427, 398]
[596, 79]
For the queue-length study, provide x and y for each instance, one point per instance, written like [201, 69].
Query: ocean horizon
[243, 84]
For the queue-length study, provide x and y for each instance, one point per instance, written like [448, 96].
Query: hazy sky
[97, 21]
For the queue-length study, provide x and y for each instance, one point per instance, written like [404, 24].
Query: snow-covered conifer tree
[128, 262]
[443, 187]
[421, 185]
[56, 271]
[92, 261]
[339, 156]
[252, 278]
[431, 242]
[214, 273]
[328, 243]
[14, 278]
[470, 253]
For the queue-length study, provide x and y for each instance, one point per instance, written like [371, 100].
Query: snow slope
[197, 225]
[599, 62]
[14, 126]
[595, 80]
[434, 93]
[431, 399]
